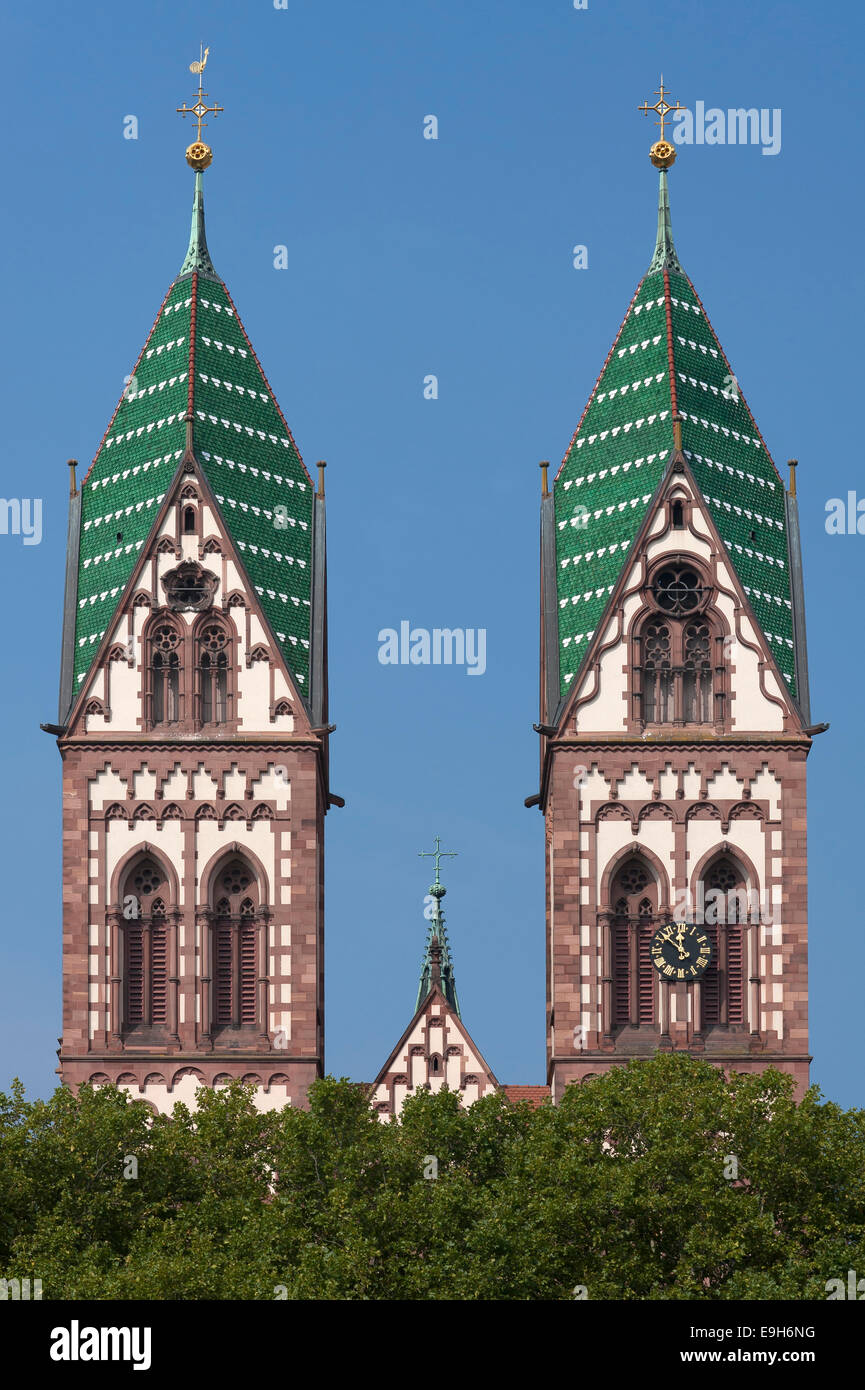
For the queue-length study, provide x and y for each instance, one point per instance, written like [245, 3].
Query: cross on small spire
[662, 107]
[437, 854]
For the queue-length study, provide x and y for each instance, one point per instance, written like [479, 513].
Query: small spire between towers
[437, 968]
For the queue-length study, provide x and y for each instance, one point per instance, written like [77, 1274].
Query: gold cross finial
[662, 153]
[199, 155]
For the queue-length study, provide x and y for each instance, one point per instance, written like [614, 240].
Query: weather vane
[199, 155]
[662, 153]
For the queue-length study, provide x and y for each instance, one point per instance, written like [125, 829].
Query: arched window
[657, 675]
[675, 679]
[235, 927]
[726, 915]
[164, 648]
[144, 946]
[189, 520]
[213, 668]
[634, 897]
[697, 673]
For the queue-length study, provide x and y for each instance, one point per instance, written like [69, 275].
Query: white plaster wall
[275, 787]
[613, 835]
[692, 782]
[725, 785]
[607, 711]
[746, 835]
[185, 1091]
[235, 784]
[167, 844]
[669, 783]
[174, 785]
[106, 787]
[658, 836]
[635, 785]
[126, 683]
[678, 543]
[253, 689]
[204, 787]
[767, 787]
[595, 788]
[144, 784]
[209, 840]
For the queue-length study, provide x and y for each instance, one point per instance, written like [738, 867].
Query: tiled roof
[199, 360]
[665, 358]
[535, 1095]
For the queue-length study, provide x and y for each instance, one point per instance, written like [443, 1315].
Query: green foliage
[621, 1188]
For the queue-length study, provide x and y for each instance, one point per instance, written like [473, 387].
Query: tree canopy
[660, 1180]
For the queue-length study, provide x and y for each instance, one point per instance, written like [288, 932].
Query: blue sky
[409, 257]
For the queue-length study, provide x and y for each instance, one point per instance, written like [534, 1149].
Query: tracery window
[212, 647]
[164, 645]
[189, 587]
[673, 650]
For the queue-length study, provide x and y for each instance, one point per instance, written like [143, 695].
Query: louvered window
[223, 973]
[735, 975]
[235, 948]
[145, 947]
[134, 975]
[724, 980]
[621, 973]
[634, 901]
[645, 974]
[158, 964]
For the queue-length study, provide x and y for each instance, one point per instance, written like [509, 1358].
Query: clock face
[681, 951]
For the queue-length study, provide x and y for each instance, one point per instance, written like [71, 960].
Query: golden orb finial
[662, 153]
[198, 154]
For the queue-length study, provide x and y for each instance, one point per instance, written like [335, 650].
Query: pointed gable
[436, 1050]
[198, 390]
[666, 360]
[265, 698]
[757, 696]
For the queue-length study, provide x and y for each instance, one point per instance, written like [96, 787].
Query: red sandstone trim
[732, 373]
[190, 397]
[123, 393]
[268, 385]
[670, 357]
[598, 382]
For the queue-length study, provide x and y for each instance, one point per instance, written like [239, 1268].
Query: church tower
[193, 720]
[675, 719]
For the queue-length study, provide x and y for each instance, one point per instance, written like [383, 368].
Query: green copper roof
[666, 357]
[197, 255]
[198, 364]
[437, 932]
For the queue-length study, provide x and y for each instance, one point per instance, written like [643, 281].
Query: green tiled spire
[665, 359]
[198, 369]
